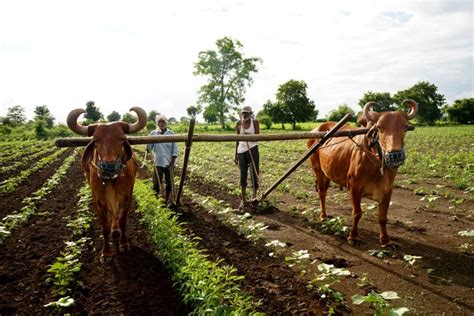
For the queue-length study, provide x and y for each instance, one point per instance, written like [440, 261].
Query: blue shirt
[163, 151]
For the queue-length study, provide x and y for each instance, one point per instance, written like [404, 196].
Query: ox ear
[91, 130]
[127, 151]
[88, 155]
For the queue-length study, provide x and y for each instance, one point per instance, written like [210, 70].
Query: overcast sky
[142, 53]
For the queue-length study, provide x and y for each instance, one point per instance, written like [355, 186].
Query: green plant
[334, 226]
[326, 278]
[411, 259]
[379, 302]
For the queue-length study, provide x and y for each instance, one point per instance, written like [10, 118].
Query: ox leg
[322, 186]
[105, 225]
[353, 238]
[124, 246]
[383, 210]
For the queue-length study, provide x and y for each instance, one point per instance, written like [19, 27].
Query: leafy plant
[379, 302]
[411, 259]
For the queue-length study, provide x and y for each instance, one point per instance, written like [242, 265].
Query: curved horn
[368, 114]
[141, 122]
[413, 108]
[72, 122]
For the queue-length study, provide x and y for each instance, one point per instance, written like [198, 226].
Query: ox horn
[141, 122]
[413, 108]
[368, 113]
[72, 122]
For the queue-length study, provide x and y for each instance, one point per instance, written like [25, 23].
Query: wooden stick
[189, 143]
[308, 153]
[138, 140]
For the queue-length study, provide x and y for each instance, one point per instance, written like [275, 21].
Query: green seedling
[379, 302]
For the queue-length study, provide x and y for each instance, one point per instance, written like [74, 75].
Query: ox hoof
[124, 247]
[115, 234]
[105, 259]
[391, 245]
[353, 242]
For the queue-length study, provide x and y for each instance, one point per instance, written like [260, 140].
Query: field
[211, 258]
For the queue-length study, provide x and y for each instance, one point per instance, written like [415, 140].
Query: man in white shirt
[165, 157]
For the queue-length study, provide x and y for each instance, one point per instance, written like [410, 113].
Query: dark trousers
[245, 162]
[161, 171]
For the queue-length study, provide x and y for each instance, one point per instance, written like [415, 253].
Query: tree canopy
[428, 99]
[114, 116]
[93, 114]
[340, 112]
[461, 111]
[193, 110]
[129, 118]
[42, 113]
[152, 115]
[228, 73]
[292, 104]
[15, 116]
[384, 100]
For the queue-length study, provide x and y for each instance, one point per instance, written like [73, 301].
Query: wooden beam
[139, 140]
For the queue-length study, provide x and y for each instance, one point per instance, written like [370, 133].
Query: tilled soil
[442, 281]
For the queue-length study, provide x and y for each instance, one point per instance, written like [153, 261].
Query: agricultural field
[208, 257]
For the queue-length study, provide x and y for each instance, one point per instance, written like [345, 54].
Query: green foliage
[292, 104]
[15, 116]
[210, 115]
[384, 101]
[210, 287]
[428, 99]
[335, 226]
[150, 126]
[193, 111]
[42, 113]
[40, 130]
[340, 112]
[228, 73]
[152, 115]
[93, 113]
[462, 111]
[329, 276]
[265, 118]
[114, 116]
[379, 302]
[129, 118]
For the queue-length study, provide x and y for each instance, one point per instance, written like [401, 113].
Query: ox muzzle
[394, 159]
[109, 170]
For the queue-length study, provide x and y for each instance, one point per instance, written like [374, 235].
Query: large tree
[42, 113]
[193, 111]
[291, 97]
[152, 115]
[428, 99]
[114, 116]
[228, 73]
[276, 112]
[93, 113]
[210, 115]
[129, 118]
[461, 111]
[340, 112]
[15, 115]
[384, 100]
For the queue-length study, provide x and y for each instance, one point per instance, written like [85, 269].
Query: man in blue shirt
[165, 156]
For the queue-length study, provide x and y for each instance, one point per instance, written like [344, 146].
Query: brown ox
[110, 168]
[367, 165]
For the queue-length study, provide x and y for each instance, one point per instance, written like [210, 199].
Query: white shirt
[243, 145]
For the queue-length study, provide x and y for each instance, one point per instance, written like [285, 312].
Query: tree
[210, 115]
[152, 115]
[40, 130]
[228, 72]
[291, 97]
[384, 100]
[172, 120]
[429, 101]
[16, 115]
[193, 111]
[340, 112]
[92, 112]
[461, 111]
[184, 119]
[114, 116]
[264, 118]
[43, 114]
[129, 118]
[277, 112]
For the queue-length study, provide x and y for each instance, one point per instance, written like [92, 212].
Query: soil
[138, 283]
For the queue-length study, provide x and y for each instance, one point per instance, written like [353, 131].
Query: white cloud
[121, 54]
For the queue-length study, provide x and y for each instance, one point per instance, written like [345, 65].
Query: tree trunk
[283, 125]
[294, 124]
[221, 119]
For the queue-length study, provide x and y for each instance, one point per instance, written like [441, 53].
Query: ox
[366, 164]
[110, 168]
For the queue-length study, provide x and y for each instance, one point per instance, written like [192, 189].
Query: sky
[121, 54]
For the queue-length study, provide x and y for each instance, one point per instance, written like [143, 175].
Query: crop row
[27, 158]
[10, 184]
[11, 221]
